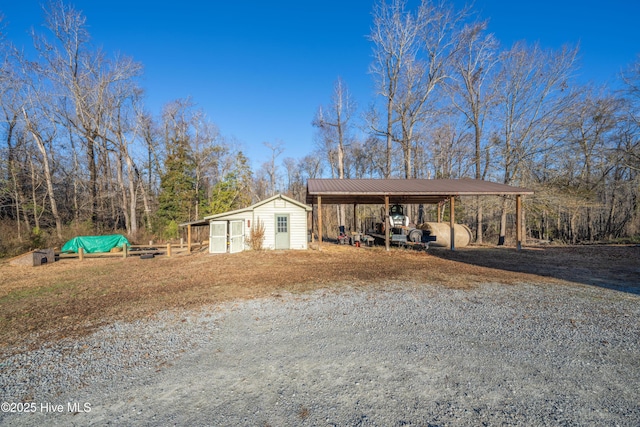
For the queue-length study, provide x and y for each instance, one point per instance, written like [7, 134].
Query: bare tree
[43, 134]
[395, 35]
[587, 149]
[149, 135]
[270, 167]
[533, 94]
[413, 53]
[631, 80]
[471, 95]
[11, 103]
[438, 26]
[85, 83]
[64, 62]
[333, 123]
[448, 149]
[124, 130]
[311, 166]
[209, 156]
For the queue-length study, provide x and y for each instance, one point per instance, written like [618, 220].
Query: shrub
[37, 238]
[256, 235]
[171, 230]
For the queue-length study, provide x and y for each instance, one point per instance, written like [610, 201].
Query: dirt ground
[72, 298]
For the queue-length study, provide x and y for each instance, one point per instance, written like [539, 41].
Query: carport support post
[386, 223]
[518, 222]
[189, 238]
[319, 223]
[355, 218]
[452, 221]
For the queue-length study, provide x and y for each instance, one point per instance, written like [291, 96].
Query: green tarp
[91, 244]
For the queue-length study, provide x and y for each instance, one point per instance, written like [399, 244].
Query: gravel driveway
[385, 355]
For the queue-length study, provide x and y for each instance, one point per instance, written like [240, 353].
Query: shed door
[282, 231]
[218, 237]
[236, 238]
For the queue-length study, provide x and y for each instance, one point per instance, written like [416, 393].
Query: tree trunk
[34, 198]
[479, 231]
[133, 196]
[93, 181]
[478, 155]
[147, 207]
[407, 160]
[18, 199]
[76, 175]
[590, 232]
[11, 168]
[503, 223]
[123, 193]
[387, 171]
[49, 180]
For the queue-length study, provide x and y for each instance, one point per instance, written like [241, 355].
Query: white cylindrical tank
[442, 231]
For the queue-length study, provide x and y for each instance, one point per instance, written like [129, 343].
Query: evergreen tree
[233, 191]
[177, 185]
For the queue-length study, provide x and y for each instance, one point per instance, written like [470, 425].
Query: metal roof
[429, 191]
[207, 219]
[252, 207]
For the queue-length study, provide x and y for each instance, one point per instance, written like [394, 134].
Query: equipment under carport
[402, 233]
[441, 233]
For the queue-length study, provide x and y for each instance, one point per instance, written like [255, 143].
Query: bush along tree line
[80, 155]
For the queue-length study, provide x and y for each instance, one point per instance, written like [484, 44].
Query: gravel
[385, 355]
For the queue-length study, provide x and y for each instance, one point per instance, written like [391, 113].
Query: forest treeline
[80, 154]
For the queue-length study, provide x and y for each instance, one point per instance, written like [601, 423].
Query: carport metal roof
[392, 191]
[427, 191]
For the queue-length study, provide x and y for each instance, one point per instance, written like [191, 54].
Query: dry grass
[72, 298]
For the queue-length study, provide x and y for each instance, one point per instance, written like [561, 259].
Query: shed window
[282, 224]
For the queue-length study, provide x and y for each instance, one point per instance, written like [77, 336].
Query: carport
[408, 191]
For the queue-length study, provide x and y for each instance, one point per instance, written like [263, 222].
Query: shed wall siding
[266, 213]
[297, 226]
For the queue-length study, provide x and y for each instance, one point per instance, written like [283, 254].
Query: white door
[282, 231]
[218, 237]
[236, 238]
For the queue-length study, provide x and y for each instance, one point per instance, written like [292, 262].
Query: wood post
[319, 223]
[81, 254]
[355, 218]
[189, 238]
[452, 221]
[519, 222]
[387, 231]
[168, 249]
[440, 211]
[125, 250]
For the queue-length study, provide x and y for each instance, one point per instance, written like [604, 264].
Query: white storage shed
[284, 221]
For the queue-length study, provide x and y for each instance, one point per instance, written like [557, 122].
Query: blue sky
[261, 69]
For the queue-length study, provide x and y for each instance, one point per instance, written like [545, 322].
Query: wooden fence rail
[135, 250]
